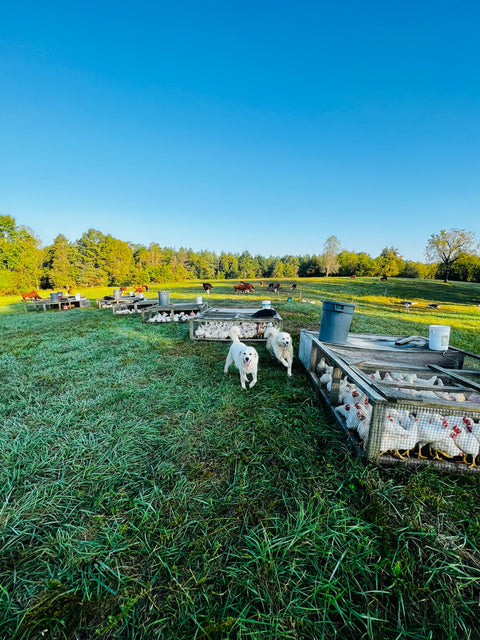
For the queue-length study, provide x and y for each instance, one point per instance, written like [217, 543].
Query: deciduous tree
[331, 249]
[446, 247]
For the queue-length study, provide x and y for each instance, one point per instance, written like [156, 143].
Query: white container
[199, 300]
[266, 304]
[77, 296]
[164, 298]
[438, 337]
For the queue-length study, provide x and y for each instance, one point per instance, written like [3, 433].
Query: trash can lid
[333, 302]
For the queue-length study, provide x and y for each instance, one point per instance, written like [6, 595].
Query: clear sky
[254, 125]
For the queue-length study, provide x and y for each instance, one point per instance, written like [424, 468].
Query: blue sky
[259, 126]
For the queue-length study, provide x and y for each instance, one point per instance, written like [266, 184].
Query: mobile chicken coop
[397, 400]
[174, 312]
[215, 324]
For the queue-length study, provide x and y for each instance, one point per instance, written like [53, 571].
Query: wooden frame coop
[400, 381]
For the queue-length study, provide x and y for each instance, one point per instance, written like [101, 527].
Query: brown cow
[244, 287]
[274, 286]
[33, 295]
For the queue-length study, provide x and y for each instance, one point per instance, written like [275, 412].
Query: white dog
[279, 343]
[245, 358]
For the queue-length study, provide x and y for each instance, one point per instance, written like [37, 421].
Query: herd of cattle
[245, 287]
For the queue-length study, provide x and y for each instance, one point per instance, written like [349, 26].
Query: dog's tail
[271, 331]
[235, 333]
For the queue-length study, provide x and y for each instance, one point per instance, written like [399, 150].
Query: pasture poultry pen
[399, 401]
[134, 305]
[45, 304]
[174, 312]
[215, 324]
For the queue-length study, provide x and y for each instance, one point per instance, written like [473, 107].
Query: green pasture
[146, 496]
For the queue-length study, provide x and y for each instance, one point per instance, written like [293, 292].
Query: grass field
[145, 495]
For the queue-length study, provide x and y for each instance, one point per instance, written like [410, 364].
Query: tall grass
[145, 495]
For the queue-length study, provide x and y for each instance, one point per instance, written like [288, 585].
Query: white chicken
[344, 409]
[396, 438]
[429, 382]
[361, 422]
[356, 415]
[321, 366]
[465, 438]
[344, 388]
[436, 433]
[355, 396]
[325, 378]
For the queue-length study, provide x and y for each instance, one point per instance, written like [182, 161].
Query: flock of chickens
[221, 330]
[166, 316]
[404, 429]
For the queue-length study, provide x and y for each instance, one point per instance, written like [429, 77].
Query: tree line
[98, 259]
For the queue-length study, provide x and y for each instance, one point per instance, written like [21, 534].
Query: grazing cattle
[353, 276]
[138, 289]
[146, 287]
[261, 283]
[123, 290]
[207, 287]
[294, 286]
[383, 278]
[274, 286]
[244, 287]
[32, 295]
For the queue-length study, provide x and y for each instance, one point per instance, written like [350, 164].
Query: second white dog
[279, 343]
[245, 358]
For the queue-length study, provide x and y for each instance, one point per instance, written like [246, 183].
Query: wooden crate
[173, 311]
[427, 412]
[215, 324]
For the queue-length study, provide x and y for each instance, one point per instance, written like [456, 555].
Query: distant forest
[99, 259]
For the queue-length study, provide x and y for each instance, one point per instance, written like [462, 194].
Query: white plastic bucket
[438, 337]
[199, 300]
[77, 296]
[266, 304]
